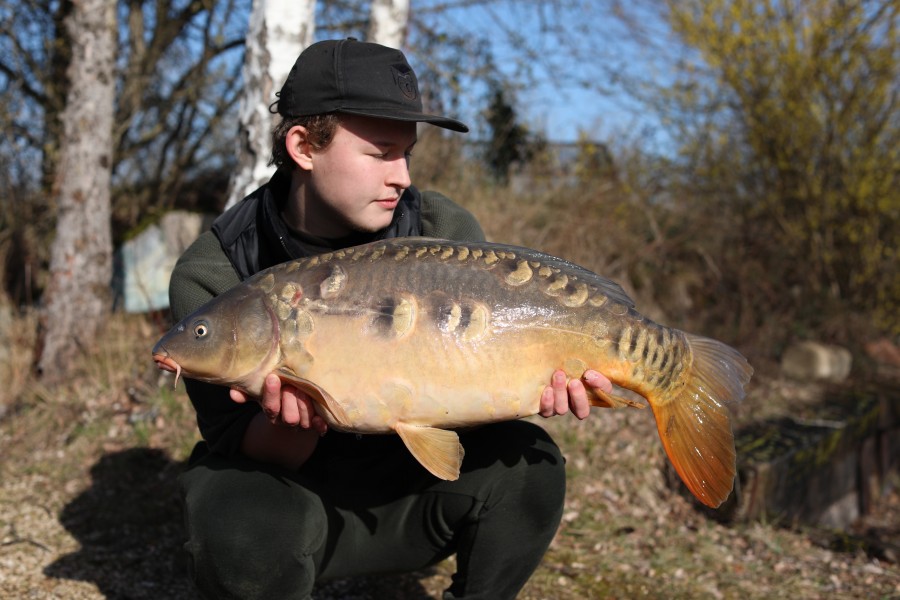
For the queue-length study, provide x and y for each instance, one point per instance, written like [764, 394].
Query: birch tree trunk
[387, 22]
[279, 31]
[77, 297]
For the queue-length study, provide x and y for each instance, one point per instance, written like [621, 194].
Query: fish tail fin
[694, 420]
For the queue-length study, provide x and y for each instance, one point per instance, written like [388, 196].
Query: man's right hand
[285, 405]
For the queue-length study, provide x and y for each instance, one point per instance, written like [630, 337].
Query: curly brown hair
[319, 129]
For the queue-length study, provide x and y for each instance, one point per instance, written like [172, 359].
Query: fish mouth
[165, 363]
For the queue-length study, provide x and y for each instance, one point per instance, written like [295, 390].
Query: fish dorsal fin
[606, 286]
[438, 450]
[334, 412]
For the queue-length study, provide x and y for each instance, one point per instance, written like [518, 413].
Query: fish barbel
[417, 336]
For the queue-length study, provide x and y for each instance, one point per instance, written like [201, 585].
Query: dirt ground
[110, 527]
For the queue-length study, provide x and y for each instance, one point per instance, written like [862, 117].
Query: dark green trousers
[362, 505]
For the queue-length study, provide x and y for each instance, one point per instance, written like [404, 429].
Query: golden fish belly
[431, 377]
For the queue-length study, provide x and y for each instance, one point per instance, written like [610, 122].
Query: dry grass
[89, 506]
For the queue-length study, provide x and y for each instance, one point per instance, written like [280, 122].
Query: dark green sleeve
[443, 218]
[202, 273]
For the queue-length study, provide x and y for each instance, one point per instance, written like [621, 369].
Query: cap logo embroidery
[405, 80]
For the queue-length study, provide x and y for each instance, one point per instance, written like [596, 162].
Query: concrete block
[145, 262]
[812, 360]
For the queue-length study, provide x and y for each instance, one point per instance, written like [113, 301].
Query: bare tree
[77, 297]
[179, 79]
[177, 76]
[388, 20]
[279, 31]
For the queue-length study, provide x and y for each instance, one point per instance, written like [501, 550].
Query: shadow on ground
[129, 525]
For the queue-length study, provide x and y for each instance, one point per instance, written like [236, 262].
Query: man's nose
[399, 176]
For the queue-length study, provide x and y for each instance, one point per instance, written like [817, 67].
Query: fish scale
[417, 337]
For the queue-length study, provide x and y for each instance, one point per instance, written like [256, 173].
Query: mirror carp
[418, 336]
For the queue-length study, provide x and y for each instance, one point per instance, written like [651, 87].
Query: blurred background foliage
[762, 206]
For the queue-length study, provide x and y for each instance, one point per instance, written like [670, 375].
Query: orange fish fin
[695, 423]
[438, 450]
[321, 397]
[601, 399]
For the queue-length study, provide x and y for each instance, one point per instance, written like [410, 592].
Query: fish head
[230, 341]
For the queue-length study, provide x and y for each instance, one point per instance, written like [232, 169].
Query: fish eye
[200, 329]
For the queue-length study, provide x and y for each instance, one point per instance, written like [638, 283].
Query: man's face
[356, 181]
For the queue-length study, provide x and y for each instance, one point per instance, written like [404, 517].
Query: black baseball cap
[357, 78]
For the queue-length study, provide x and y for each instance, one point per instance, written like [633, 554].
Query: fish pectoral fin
[602, 399]
[316, 392]
[438, 450]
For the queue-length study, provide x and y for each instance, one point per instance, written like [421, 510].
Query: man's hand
[558, 397]
[285, 405]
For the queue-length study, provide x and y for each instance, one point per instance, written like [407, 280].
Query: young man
[272, 503]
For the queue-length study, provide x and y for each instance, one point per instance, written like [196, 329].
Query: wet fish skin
[418, 336]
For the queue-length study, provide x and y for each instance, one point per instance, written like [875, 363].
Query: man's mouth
[388, 202]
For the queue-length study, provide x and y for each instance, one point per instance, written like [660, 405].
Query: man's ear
[298, 147]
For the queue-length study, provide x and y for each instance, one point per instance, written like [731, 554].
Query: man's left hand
[559, 397]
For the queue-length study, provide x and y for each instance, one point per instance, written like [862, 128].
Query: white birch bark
[279, 31]
[387, 22]
[77, 299]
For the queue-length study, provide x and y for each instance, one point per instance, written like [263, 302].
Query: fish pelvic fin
[438, 450]
[326, 406]
[694, 420]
